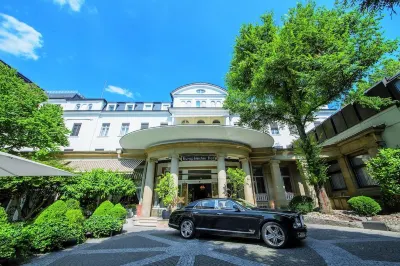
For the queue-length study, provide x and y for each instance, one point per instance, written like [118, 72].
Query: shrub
[13, 241]
[72, 204]
[301, 204]
[102, 225]
[54, 211]
[119, 212]
[75, 217]
[104, 208]
[3, 216]
[363, 205]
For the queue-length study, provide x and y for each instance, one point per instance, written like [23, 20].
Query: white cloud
[75, 5]
[18, 38]
[121, 91]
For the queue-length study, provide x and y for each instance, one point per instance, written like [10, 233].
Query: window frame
[144, 123]
[329, 174]
[129, 106]
[122, 127]
[274, 129]
[105, 126]
[354, 168]
[111, 107]
[72, 130]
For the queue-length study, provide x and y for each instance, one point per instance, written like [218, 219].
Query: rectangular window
[129, 107]
[124, 129]
[274, 129]
[164, 124]
[358, 164]
[285, 173]
[75, 129]
[335, 176]
[105, 127]
[148, 107]
[111, 107]
[144, 125]
[197, 103]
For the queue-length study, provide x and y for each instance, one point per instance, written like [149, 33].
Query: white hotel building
[192, 137]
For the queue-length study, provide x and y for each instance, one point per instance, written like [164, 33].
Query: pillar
[222, 185]
[278, 185]
[248, 187]
[148, 188]
[347, 176]
[175, 168]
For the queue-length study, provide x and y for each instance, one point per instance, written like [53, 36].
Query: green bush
[363, 205]
[54, 211]
[104, 208]
[14, 243]
[3, 216]
[102, 225]
[301, 204]
[119, 212]
[72, 204]
[75, 217]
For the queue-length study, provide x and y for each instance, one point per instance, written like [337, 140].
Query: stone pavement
[326, 245]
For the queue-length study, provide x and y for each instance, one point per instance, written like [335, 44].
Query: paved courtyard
[326, 245]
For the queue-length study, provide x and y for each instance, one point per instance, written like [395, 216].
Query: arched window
[203, 104]
[188, 103]
[200, 122]
[212, 104]
[185, 122]
[218, 104]
[216, 122]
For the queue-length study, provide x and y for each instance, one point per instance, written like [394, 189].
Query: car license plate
[301, 234]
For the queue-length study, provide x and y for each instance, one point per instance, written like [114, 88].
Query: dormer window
[129, 107]
[200, 91]
[111, 107]
[148, 107]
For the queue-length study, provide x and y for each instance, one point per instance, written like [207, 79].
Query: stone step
[146, 221]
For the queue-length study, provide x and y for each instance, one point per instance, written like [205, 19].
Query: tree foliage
[23, 121]
[373, 5]
[167, 190]
[285, 73]
[385, 168]
[236, 177]
[98, 185]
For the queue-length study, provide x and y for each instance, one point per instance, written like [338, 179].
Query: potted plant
[167, 191]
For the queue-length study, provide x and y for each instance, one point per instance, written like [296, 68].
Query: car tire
[187, 229]
[274, 235]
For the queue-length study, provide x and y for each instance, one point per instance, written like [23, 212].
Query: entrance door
[199, 191]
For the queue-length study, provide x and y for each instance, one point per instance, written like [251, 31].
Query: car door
[204, 214]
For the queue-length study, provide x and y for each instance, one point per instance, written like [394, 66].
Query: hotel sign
[198, 157]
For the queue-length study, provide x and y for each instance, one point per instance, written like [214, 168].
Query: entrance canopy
[11, 165]
[146, 138]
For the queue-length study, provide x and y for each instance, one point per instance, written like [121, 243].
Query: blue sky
[141, 50]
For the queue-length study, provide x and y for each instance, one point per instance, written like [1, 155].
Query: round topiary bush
[119, 212]
[102, 225]
[75, 217]
[363, 205]
[54, 211]
[104, 208]
[301, 204]
[72, 204]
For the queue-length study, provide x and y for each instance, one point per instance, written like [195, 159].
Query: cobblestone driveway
[326, 245]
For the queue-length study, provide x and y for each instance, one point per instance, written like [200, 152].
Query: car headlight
[297, 223]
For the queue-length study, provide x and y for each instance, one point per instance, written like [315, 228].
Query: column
[222, 185]
[347, 176]
[248, 187]
[148, 188]
[278, 185]
[175, 168]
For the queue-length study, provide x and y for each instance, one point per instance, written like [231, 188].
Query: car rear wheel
[274, 235]
[187, 229]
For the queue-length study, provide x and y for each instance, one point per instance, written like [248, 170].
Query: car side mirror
[236, 208]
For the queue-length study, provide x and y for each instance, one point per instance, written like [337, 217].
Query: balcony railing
[262, 197]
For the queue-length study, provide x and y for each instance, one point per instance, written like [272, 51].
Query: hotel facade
[192, 137]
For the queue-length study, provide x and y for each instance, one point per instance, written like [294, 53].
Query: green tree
[98, 185]
[386, 68]
[167, 190]
[385, 168]
[23, 121]
[285, 73]
[236, 177]
[373, 5]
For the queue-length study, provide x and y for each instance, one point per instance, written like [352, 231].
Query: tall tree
[23, 121]
[285, 73]
[373, 5]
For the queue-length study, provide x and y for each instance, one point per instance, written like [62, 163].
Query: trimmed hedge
[119, 212]
[104, 208]
[54, 211]
[72, 204]
[75, 217]
[301, 204]
[363, 205]
[14, 243]
[102, 225]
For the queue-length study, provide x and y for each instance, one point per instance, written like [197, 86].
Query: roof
[64, 95]
[118, 165]
[146, 138]
[196, 83]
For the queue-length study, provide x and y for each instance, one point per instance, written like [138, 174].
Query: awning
[118, 165]
[11, 165]
[145, 138]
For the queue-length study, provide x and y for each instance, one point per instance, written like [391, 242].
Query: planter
[165, 214]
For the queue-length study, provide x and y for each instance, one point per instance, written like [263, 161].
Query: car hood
[285, 213]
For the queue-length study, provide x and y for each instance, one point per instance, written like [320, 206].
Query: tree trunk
[313, 160]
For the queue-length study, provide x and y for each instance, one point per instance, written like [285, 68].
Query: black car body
[229, 217]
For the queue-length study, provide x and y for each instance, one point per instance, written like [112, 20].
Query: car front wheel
[187, 229]
[274, 235]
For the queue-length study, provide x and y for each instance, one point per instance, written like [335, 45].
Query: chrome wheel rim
[274, 235]
[186, 229]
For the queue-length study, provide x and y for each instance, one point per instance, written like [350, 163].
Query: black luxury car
[229, 217]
